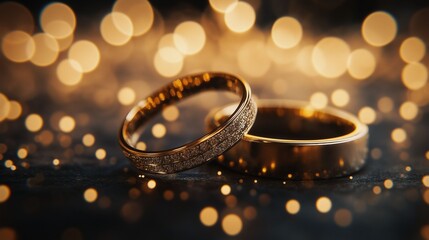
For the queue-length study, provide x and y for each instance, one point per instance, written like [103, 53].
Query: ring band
[201, 150]
[290, 140]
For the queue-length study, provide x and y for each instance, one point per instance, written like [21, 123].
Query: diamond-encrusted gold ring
[292, 140]
[198, 151]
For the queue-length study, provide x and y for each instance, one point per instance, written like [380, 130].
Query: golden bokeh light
[361, 64]
[126, 96]
[414, 76]
[385, 104]
[140, 12]
[58, 20]
[340, 97]
[246, 58]
[4, 193]
[379, 29]
[388, 184]
[90, 195]
[159, 130]
[412, 49]
[100, 154]
[292, 206]
[240, 17]
[18, 46]
[318, 100]
[286, 32]
[323, 204]
[330, 57]
[208, 216]
[225, 189]
[408, 110]
[65, 43]
[232, 224]
[86, 53]
[4, 107]
[398, 135]
[69, 72]
[46, 50]
[15, 110]
[426, 196]
[376, 190]
[56, 162]
[116, 29]
[343, 217]
[168, 61]
[67, 124]
[15, 16]
[34, 122]
[189, 37]
[22, 153]
[151, 184]
[367, 115]
[88, 140]
[425, 180]
[170, 113]
[222, 5]
[141, 146]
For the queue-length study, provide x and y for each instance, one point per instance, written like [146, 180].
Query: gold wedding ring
[290, 140]
[195, 153]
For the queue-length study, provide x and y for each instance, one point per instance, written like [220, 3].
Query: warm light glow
[86, 54]
[34, 122]
[330, 57]
[385, 104]
[100, 154]
[388, 184]
[412, 49]
[222, 5]
[189, 37]
[159, 130]
[376, 190]
[4, 193]
[340, 97]
[15, 110]
[69, 72]
[65, 43]
[140, 12]
[56, 162]
[286, 32]
[90, 195]
[46, 50]
[367, 115]
[67, 124]
[414, 76]
[304, 61]
[426, 197]
[58, 20]
[208, 216]
[225, 189]
[318, 100]
[246, 58]
[4, 107]
[151, 184]
[126, 96]
[141, 146]
[22, 153]
[116, 28]
[425, 180]
[379, 29]
[292, 206]
[323, 204]
[398, 135]
[343, 217]
[408, 110]
[88, 140]
[361, 64]
[170, 113]
[18, 46]
[240, 17]
[14, 15]
[232, 224]
[168, 61]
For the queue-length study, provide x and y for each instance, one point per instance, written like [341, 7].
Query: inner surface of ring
[173, 92]
[297, 124]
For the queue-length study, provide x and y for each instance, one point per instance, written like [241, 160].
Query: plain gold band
[193, 154]
[290, 140]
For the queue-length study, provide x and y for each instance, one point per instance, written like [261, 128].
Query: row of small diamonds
[203, 151]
